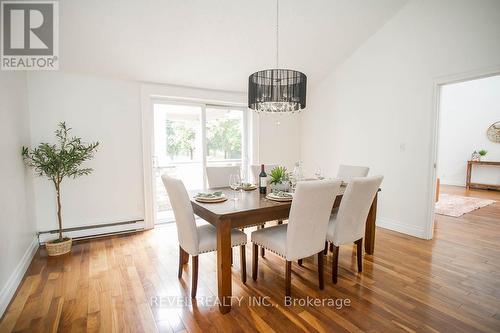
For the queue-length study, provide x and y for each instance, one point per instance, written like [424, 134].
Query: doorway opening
[467, 177]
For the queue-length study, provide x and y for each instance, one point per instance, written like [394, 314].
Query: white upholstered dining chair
[348, 224]
[193, 239]
[304, 235]
[346, 172]
[218, 176]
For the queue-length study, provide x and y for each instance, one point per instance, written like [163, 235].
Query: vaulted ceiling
[213, 43]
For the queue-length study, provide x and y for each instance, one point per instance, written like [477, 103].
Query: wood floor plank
[114, 284]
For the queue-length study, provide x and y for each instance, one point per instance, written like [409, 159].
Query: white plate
[222, 198]
[273, 197]
[250, 188]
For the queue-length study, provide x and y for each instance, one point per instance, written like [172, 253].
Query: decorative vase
[475, 156]
[58, 248]
[283, 186]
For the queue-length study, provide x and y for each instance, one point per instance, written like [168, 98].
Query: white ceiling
[213, 43]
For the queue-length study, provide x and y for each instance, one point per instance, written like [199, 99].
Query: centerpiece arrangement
[57, 162]
[279, 179]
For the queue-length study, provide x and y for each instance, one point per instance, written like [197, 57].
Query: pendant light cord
[277, 34]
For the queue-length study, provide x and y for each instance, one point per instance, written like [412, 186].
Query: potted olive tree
[57, 162]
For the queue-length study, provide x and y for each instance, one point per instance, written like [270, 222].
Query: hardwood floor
[449, 284]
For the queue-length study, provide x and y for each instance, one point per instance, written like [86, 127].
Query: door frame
[150, 94]
[438, 83]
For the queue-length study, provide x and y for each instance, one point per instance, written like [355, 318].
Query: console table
[470, 185]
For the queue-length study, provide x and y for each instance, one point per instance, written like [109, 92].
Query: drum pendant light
[277, 90]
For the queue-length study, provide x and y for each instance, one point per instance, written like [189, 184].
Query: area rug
[456, 205]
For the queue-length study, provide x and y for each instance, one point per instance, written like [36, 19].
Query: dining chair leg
[288, 278]
[255, 261]
[335, 263]
[183, 257]
[359, 254]
[194, 276]
[321, 269]
[262, 249]
[325, 251]
[243, 264]
[299, 262]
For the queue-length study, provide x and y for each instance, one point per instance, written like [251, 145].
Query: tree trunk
[59, 216]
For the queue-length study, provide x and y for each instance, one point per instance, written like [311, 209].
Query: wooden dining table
[253, 208]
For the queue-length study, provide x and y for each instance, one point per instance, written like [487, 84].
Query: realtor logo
[30, 35]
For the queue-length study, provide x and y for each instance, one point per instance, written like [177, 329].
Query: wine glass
[235, 184]
[318, 173]
[243, 180]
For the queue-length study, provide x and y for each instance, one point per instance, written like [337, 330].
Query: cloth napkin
[209, 195]
[282, 194]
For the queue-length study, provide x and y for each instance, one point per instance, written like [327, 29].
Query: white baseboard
[400, 227]
[16, 277]
[95, 232]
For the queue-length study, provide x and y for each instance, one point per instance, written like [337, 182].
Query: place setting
[235, 183]
[280, 196]
[281, 184]
[210, 197]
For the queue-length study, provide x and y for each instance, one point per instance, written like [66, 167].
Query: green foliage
[180, 139]
[187, 140]
[173, 147]
[483, 152]
[278, 175]
[60, 160]
[225, 136]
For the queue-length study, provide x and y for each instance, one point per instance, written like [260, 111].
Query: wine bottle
[262, 180]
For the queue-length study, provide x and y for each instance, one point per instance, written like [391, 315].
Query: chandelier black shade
[277, 90]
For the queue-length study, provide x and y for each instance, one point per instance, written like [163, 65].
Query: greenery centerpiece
[279, 179]
[57, 162]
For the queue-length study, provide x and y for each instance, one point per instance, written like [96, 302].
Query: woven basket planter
[56, 249]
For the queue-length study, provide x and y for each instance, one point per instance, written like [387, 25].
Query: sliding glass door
[187, 138]
[224, 136]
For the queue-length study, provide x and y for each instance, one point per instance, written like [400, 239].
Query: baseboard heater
[94, 231]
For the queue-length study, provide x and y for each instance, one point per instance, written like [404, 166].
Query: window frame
[204, 162]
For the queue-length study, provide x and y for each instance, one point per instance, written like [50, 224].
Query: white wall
[466, 110]
[109, 111]
[279, 139]
[17, 225]
[98, 110]
[376, 109]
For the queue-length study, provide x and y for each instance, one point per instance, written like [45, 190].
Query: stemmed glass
[318, 173]
[235, 184]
